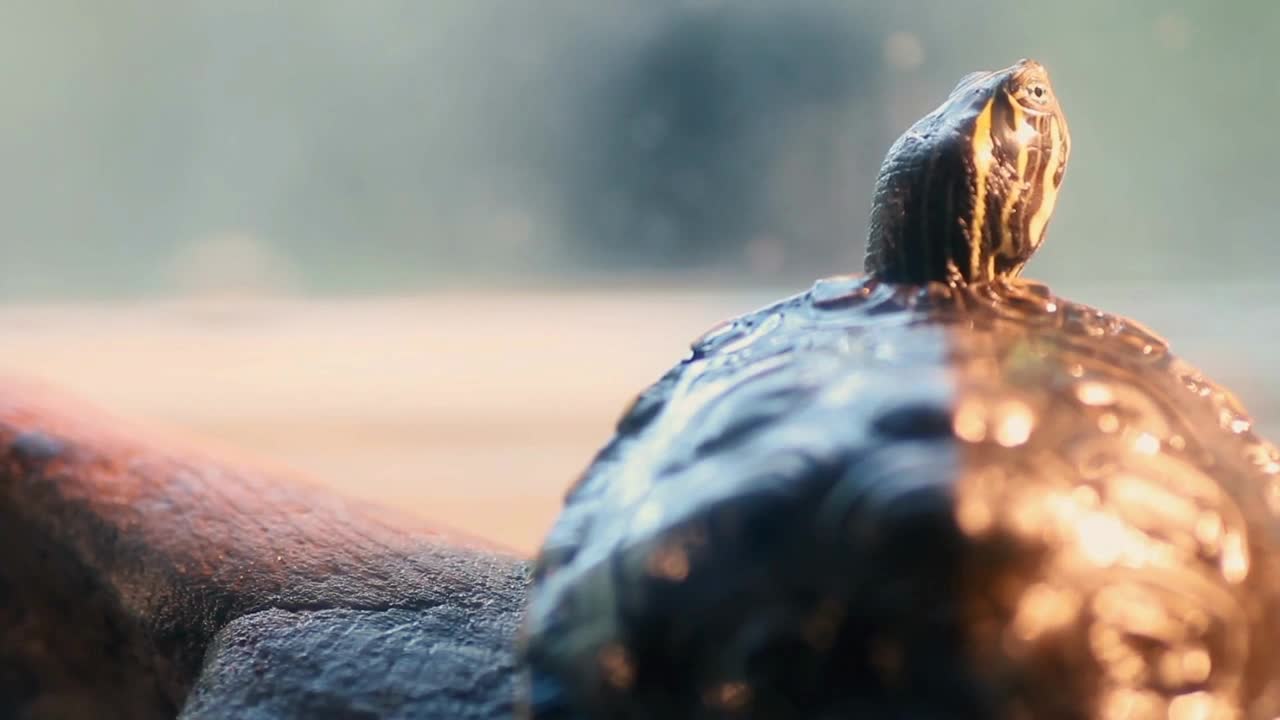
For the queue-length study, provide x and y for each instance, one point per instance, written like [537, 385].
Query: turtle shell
[890, 501]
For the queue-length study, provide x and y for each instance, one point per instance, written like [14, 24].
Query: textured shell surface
[877, 500]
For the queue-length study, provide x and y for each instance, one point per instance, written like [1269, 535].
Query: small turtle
[932, 491]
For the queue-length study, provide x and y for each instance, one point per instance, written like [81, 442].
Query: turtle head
[965, 195]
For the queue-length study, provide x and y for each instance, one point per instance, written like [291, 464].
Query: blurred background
[427, 251]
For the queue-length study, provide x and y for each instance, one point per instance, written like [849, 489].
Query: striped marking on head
[1019, 186]
[1018, 159]
[1050, 178]
[965, 195]
[983, 156]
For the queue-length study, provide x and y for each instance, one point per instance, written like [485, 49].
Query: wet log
[143, 575]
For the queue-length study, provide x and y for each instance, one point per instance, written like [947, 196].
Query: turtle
[933, 489]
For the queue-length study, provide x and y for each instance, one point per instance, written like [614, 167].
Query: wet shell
[875, 500]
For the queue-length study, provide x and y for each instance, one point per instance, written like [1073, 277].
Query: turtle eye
[1037, 93]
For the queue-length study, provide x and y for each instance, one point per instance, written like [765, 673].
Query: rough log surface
[130, 562]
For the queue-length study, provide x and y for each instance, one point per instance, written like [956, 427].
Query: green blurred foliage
[402, 144]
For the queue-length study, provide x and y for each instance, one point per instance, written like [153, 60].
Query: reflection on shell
[792, 496]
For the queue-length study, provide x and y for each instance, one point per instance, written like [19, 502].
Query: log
[144, 575]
